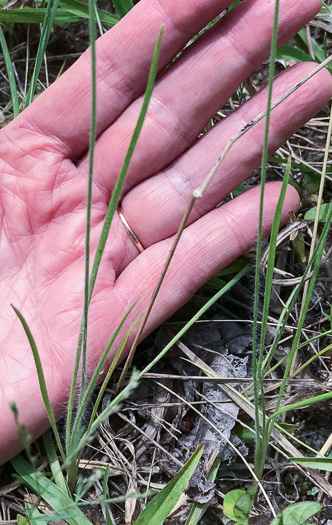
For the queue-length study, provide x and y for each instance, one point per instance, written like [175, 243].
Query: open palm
[44, 170]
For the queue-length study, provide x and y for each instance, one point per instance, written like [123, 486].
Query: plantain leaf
[297, 514]
[323, 213]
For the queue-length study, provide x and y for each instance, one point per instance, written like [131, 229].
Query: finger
[194, 89]
[165, 197]
[207, 246]
[124, 57]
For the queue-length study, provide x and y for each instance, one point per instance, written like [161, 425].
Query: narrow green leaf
[65, 15]
[80, 9]
[50, 15]
[10, 73]
[123, 6]
[319, 463]
[47, 490]
[297, 514]
[41, 379]
[323, 213]
[54, 464]
[293, 53]
[162, 505]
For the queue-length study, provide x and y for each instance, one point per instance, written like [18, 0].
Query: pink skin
[43, 166]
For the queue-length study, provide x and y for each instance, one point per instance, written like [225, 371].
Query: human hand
[44, 170]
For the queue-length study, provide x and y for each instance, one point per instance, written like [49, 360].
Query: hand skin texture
[44, 169]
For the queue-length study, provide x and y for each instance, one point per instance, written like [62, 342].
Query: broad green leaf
[74, 11]
[162, 505]
[21, 520]
[81, 10]
[230, 500]
[123, 6]
[320, 463]
[293, 53]
[297, 514]
[45, 488]
[244, 505]
[323, 213]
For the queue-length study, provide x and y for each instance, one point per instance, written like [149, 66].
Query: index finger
[124, 57]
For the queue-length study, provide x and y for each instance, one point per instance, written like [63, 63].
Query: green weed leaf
[230, 500]
[297, 514]
[293, 53]
[52, 494]
[162, 505]
[123, 6]
[323, 213]
[320, 463]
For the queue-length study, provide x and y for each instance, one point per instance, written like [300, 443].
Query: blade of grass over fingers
[123, 6]
[317, 256]
[124, 168]
[82, 339]
[10, 73]
[41, 379]
[50, 15]
[110, 213]
[98, 370]
[92, 142]
[257, 364]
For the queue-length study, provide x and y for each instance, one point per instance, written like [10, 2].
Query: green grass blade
[50, 15]
[109, 520]
[48, 491]
[112, 368]
[124, 168]
[162, 505]
[319, 463]
[257, 369]
[41, 379]
[65, 15]
[99, 367]
[109, 217]
[271, 260]
[10, 73]
[123, 6]
[54, 464]
[317, 256]
[81, 10]
[301, 404]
